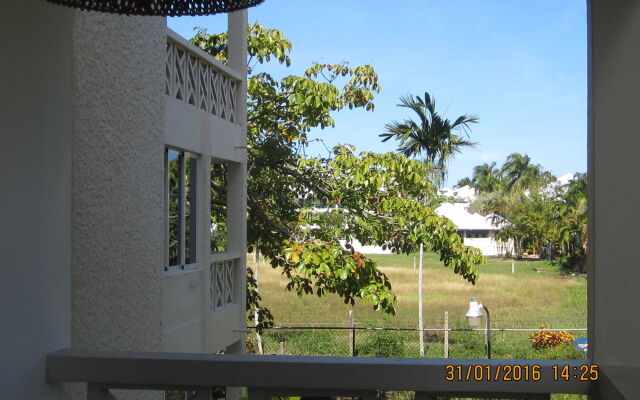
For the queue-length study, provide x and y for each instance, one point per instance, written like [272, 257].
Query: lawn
[537, 293]
[525, 299]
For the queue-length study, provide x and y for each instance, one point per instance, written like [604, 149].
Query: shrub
[250, 346]
[543, 338]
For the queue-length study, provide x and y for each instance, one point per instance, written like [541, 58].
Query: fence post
[352, 335]
[446, 334]
[283, 349]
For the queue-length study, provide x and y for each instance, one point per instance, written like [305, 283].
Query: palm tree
[572, 214]
[521, 175]
[486, 177]
[432, 134]
[464, 182]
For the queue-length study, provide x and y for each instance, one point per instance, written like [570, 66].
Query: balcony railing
[196, 78]
[267, 376]
[222, 279]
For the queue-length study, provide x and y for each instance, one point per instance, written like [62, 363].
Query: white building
[476, 230]
[89, 105]
[464, 194]
[365, 249]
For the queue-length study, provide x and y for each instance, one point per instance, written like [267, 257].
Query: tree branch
[262, 215]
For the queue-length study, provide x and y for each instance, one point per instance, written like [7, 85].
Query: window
[219, 179]
[180, 208]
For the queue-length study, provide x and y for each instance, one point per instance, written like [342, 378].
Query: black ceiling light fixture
[165, 8]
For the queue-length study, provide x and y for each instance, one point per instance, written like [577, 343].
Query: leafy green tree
[530, 224]
[376, 196]
[514, 196]
[537, 215]
[431, 133]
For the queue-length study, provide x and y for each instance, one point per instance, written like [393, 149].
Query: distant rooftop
[463, 219]
[464, 194]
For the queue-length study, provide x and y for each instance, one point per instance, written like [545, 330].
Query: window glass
[180, 208]
[174, 182]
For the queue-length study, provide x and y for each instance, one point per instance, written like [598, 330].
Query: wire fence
[405, 342]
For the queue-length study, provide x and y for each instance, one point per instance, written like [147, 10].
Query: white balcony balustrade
[200, 80]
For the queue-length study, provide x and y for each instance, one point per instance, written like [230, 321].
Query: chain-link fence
[405, 342]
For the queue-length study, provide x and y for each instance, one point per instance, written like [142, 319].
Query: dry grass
[522, 300]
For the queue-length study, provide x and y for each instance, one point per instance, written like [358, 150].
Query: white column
[237, 189]
[614, 216]
[203, 237]
[237, 30]
[118, 181]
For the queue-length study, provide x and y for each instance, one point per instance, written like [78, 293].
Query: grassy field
[526, 299]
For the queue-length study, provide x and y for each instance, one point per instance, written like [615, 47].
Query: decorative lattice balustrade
[221, 275]
[198, 79]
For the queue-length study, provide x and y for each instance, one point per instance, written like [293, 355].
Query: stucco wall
[35, 201]
[117, 219]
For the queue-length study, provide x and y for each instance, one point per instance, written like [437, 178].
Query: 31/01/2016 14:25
[516, 372]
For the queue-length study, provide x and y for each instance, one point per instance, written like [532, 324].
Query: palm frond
[430, 135]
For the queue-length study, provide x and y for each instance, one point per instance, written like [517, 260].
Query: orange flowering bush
[250, 346]
[543, 338]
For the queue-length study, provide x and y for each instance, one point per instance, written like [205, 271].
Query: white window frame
[193, 230]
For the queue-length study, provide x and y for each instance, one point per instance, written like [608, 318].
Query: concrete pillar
[614, 167]
[36, 120]
[117, 182]
[237, 194]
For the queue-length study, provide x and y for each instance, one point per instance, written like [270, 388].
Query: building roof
[463, 219]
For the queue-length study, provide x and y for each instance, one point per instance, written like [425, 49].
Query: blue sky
[519, 65]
